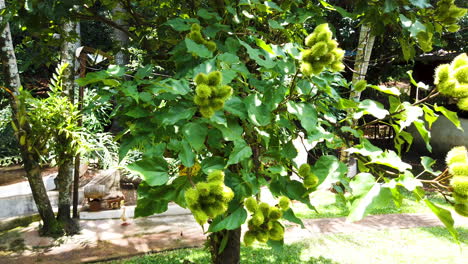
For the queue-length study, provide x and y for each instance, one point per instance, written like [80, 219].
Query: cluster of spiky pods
[210, 198]
[210, 94]
[323, 52]
[309, 179]
[452, 80]
[263, 224]
[196, 35]
[457, 163]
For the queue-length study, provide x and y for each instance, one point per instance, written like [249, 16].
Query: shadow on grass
[441, 232]
[290, 254]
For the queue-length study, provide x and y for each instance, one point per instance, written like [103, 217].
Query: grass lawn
[415, 246]
[328, 205]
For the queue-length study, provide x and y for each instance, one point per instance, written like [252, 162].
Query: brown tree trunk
[23, 133]
[231, 252]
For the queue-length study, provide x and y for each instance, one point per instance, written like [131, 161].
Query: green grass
[328, 205]
[415, 246]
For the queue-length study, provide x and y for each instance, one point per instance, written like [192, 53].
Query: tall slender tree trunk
[23, 132]
[361, 64]
[231, 252]
[65, 163]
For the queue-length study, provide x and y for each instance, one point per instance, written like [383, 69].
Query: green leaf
[180, 24]
[233, 131]
[231, 222]
[408, 181]
[429, 115]
[175, 114]
[236, 106]
[389, 6]
[425, 134]
[258, 112]
[186, 155]
[361, 184]
[240, 152]
[305, 113]
[259, 56]
[445, 216]
[291, 217]
[377, 196]
[198, 49]
[144, 72]
[388, 90]
[264, 46]
[421, 3]
[147, 207]
[212, 163]
[153, 171]
[450, 115]
[427, 163]
[329, 170]
[371, 107]
[178, 87]
[391, 159]
[195, 133]
[410, 115]
[116, 70]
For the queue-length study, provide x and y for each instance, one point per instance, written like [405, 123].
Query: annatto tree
[219, 133]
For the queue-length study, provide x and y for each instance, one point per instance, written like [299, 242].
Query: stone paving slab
[105, 239]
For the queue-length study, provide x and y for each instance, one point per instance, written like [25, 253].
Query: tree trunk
[231, 252]
[23, 133]
[65, 163]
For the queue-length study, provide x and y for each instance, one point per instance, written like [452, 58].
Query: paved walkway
[107, 239]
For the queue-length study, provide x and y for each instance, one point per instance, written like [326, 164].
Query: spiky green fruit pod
[258, 218]
[262, 236]
[201, 101]
[251, 225]
[461, 209]
[275, 213]
[337, 66]
[216, 175]
[463, 104]
[195, 27]
[457, 154]
[276, 232]
[447, 87]
[459, 61]
[210, 45]
[200, 216]
[191, 197]
[201, 78]
[203, 91]
[209, 199]
[461, 74]
[264, 208]
[196, 36]
[284, 203]
[224, 91]
[214, 78]
[460, 185]
[442, 73]
[319, 49]
[304, 170]
[203, 189]
[459, 169]
[311, 180]
[215, 209]
[227, 194]
[360, 85]
[206, 112]
[460, 198]
[249, 238]
[311, 39]
[460, 91]
[217, 104]
[251, 204]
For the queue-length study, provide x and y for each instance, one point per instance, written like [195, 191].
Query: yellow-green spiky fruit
[264, 208]
[276, 232]
[215, 209]
[201, 78]
[460, 185]
[457, 154]
[210, 45]
[201, 101]
[249, 238]
[337, 66]
[461, 209]
[203, 91]
[196, 36]
[206, 112]
[251, 204]
[195, 27]
[463, 104]
[459, 61]
[200, 216]
[306, 68]
[214, 78]
[191, 197]
[216, 175]
[224, 91]
[460, 91]
[262, 236]
[216, 187]
[339, 54]
[311, 39]
[227, 194]
[258, 218]
[360, 85]
[304, 170]
[461, 74]
[459, 169]
[447, 87]
[217, 104]
[275, 213]
[319, 49]
[311, 180]
[284, 203]
[203, 189]
[442, 73]
[459, 198]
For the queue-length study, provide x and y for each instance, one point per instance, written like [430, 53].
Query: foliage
[457, 163]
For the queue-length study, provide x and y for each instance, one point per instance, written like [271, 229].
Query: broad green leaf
[179, 24]
[186, 155]
[179, 87]
[229, 58]
[427, 163]
[389, 6]
[377, 196]
[291, 217]
[289, 151]
[198, 49]
[144, 72]
[421, 3]
[425, 134]
[361, 184]
[388, 90]
[408, 181]
[195, 133]
[233, 131]
[212, 163]
[371, 107]
[138, 112]
[116, 70]
[445, 216]
[329, 170]
[176, 114]
[305, 113]
[366, 148]
[153, 171]
[240, 152]
[258, 112]
[429, 115]
[261, 43]
[391, 159]
[410, 115]
[259, 56]
[231, 222]
[147, 207]
[450, 115]
[236, 106]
